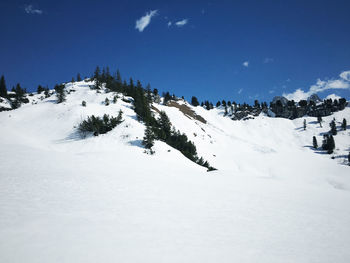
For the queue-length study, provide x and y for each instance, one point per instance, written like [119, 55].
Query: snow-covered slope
[102, 199]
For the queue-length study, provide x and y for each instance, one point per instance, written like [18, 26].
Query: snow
[102, 199]
[333, 97]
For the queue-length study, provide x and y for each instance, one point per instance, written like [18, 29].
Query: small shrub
[98, 125]
[83, 103]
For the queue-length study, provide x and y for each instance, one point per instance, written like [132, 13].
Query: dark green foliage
[106, 101]
[40, 89]
[164, 126]
[78, 77]
[149, 93]
[343, 125]
[98, 125]
[3, 89]
[349, 158]
[148, 139]
[18, 98]
[314, 142]
[319, 120]
[194, 101]
[223, 103]
[333, 127]
[328, 143]
[47, 93]
[83, 103]
[304, 124]
[61, 95]
[218, 104]
[303, 103]
[167, 97]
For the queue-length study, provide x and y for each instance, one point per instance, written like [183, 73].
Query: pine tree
[304, 124]
[40, 89]
[78, 77]
[344, 124]
[167, 97]
[97, 73]
[333, 127]
[3, 90]
[218, 104]
[106, 101]
[149, 93]
[61, 96]
[148, 139]
[165, 126]
[331, 144]
[319, 120]
[194, 101]
[349, 158]
[314, 142]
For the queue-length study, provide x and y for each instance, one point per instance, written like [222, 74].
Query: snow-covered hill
[102, 199]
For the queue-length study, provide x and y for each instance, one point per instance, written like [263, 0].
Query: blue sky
[236, 50]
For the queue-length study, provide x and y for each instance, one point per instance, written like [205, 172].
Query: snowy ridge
[102, 199]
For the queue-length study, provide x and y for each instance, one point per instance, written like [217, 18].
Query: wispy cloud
[170, 23]
[240, 91]
[245, 64]
[181, 22]
[341, 83]
[144, 21]
[30, 10]
[268, 60]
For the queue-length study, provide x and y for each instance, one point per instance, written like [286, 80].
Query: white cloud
[271, 91]
[144, 21]
[170, 23]
[268, 60]
[30, 10]
[320, 86]
[240, 91]
[181, 22]
[245, 64]
[345, 75]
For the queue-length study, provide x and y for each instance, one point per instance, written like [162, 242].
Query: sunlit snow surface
[101, 199]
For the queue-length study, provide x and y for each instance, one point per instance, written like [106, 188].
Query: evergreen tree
[304, 124]
[349, 158]
[194, 101]
[3, 90]
[78, 77]
[106, 101]
[333, 127]
[97, 73]
[331, 145]
[344, 124]
[83, 103]
[40, 89]
[223, 103]
[314, 142]
[167, 97]
[149, 93]
[319, 120]
[164, 125]
[148, 139]
[218, 104]
[61, 95]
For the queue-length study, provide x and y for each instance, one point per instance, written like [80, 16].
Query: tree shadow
[313, 122]
[136, 143]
